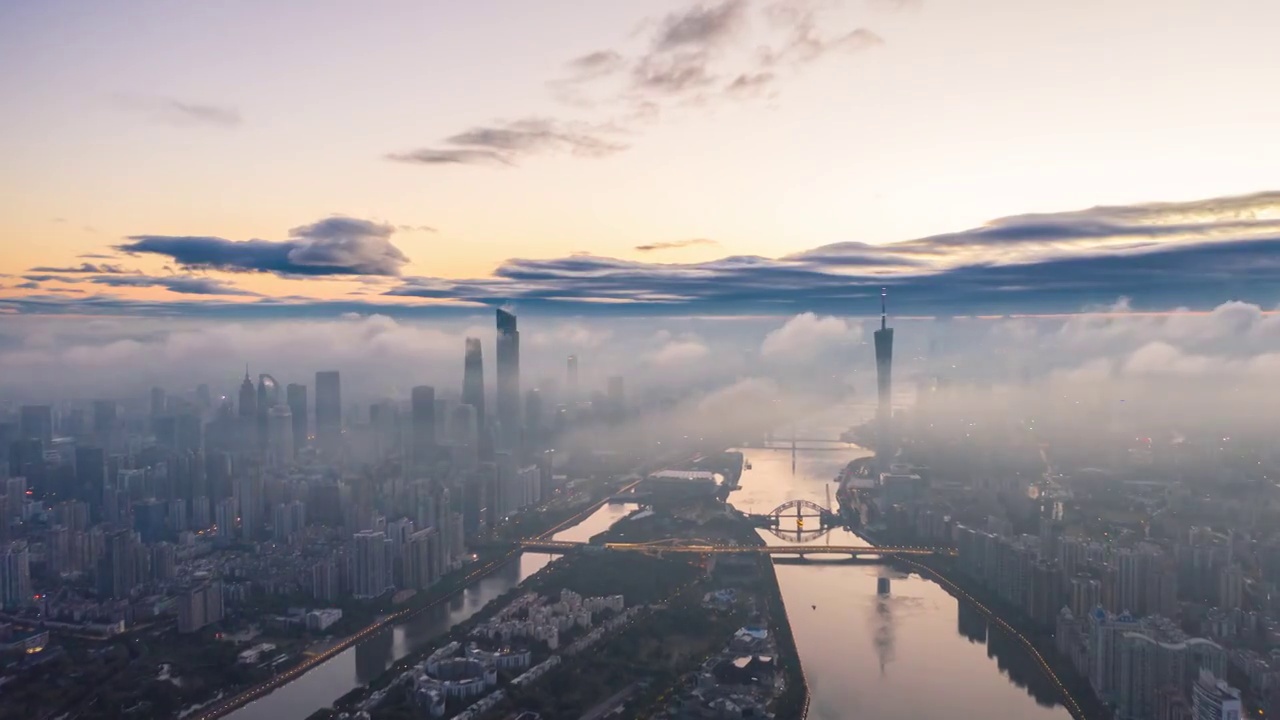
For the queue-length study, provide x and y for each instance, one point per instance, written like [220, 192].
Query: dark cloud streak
[676, 244]
[333, 246]
[103, 268]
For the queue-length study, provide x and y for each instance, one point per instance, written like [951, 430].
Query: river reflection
[914, 653]
[357, 666]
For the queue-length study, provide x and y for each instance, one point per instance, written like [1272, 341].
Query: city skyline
[672, 359]
[960, 179]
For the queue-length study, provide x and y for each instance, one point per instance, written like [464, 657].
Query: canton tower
[884, 380]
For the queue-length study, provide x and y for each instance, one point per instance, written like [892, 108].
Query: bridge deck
[852, 550]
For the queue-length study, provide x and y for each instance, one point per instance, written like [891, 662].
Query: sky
[429, 158]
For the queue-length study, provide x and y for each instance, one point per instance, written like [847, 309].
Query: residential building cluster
[533, 617]
[739, 681]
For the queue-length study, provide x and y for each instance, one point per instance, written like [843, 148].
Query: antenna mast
[884, 308]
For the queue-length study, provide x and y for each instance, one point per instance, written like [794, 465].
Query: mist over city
[669, 359]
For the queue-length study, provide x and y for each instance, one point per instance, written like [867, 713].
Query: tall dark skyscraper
[423, 408]
[884, 380]
[296, 396]
[473, 381]
[571, 378]
[106, 415]
[268, 397]
[248, 407]
[328, 412]
[91, 475]
[247, 423]
[35, 422]
[508, 394]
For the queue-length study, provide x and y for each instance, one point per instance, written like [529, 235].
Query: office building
[158, 402]
[423, 412]
[247, 415]
[571, 379]
[249, 494]
[329, 412]
[472, 392]
[296, 397]
[15, 575]
[91, 475]
[370, 571]
[106, 418]
[280, 439]
[534, 433]
[117, 571]
[268, 398]
[508, 381]
[617, 395]
[35, 422]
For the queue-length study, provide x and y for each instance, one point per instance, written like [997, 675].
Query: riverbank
[1078, 696]
[929, 569]
[491, 562]
[431, 600]
[937, 575]
[579, 680]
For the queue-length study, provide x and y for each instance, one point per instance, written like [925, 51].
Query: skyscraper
[247, 410]
[370, 572]
[884, 380]
[157, 402]
[280, 435]
[508, 384]
[296, 396]
[249, 491]
[106, 415]
[15, 575]
[268, 398]
[36, 423]
[91, 475]
[533, 435]
[423, 409]
[571, 379]
[473, 381]
[329, 412]
[117, 571]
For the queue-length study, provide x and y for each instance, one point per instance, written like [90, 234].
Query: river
[358, 665]
[915, 654]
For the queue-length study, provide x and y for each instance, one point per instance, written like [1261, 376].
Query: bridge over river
[699, 547]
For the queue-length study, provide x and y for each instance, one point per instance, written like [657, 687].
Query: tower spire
[884, 308]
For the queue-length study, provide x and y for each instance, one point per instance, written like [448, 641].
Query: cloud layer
[1160, 256]
[333, 246]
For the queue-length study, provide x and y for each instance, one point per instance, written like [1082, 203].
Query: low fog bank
[1178, 373]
